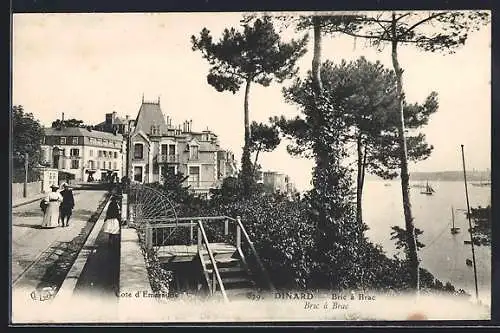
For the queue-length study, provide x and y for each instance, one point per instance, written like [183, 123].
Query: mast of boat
[452, 218]
[470, 224]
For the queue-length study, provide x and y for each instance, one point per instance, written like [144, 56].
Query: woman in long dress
[112, 222]
[53, 201]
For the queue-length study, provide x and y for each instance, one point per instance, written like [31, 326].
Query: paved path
[42, 257]
[100, 275]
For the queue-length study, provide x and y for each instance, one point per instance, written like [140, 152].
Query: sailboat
[453, 230]
[428, 189]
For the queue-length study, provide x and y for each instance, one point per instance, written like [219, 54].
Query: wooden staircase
[236, 278]
[230, 265]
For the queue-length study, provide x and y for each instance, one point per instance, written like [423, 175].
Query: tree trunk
[405, 188]
[359, 182]
[246, 164]
[246, 110]
[255, 162]
[316, 62]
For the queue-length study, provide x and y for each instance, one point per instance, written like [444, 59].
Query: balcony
[168, 158]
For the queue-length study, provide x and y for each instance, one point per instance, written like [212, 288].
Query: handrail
[206, 218]
[252, 247]
[205, 274]
[212, 259]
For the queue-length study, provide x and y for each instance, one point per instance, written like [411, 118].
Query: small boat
[454, 230]
[468, 262]
[467, 241]
[428, 190]
[387, 184]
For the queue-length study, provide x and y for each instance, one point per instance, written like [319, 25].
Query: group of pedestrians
[57, 206]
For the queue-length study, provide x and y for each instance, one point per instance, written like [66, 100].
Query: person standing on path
[51, 215]
[67, 204]
[112, 222]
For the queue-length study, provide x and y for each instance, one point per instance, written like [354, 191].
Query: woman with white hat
[53, 201]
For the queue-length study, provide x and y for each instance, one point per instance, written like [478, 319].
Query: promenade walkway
[42, 257]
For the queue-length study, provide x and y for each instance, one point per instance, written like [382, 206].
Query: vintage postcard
[251, 167]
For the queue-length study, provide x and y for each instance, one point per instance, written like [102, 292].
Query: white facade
[83, 153]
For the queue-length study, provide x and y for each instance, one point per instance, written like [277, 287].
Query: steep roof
[78, 131]
[150, 114]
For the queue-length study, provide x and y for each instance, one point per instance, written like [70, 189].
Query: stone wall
[33, 188]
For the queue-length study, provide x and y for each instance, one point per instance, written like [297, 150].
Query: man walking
[67, 204]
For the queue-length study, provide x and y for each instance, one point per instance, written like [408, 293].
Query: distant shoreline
[472, 176]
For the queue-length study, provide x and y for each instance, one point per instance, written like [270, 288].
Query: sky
[86, 65]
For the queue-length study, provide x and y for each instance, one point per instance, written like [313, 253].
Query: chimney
[113, 116]
[190, 125]
[62, 117]
[158, 100]
[142, 97]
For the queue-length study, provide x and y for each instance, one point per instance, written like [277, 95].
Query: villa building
[85, 153]
[157, 147]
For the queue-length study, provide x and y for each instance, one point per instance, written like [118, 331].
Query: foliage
[399, 235]
[159, 278]
[68, 123]
[27, 132]
[263, 138]
[364, 91]
[419, 30]
[255, 55]
[481, 229]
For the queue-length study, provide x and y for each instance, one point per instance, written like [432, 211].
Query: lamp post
[25, 187]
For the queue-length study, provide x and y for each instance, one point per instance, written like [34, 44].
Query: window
[74, 152]
[138, 174]
[110, 154]
[114, 166]
[100, 153]
[109, 165]
[171, 170]
[75, 164]
[91, 152]
[194, 176]
[75, 140]
[90, 164]
[62, 140]
[116, 155]
[164, 150]
[171, 150]
[105, 153]
[155, 130]
[138, 151]
[193, 154]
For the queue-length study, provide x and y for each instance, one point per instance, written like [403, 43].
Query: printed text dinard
[276, 296]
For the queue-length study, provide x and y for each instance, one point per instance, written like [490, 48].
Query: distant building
[274, 181]
[85, 153]
[157, 147]
[113, 124]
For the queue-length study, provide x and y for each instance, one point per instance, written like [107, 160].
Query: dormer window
[155, 130]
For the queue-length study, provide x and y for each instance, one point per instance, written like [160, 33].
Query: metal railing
[168, 158]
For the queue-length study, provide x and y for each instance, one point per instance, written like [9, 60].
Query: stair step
[223, 261]
[239, 292]
[228, 269]
[236, 279]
